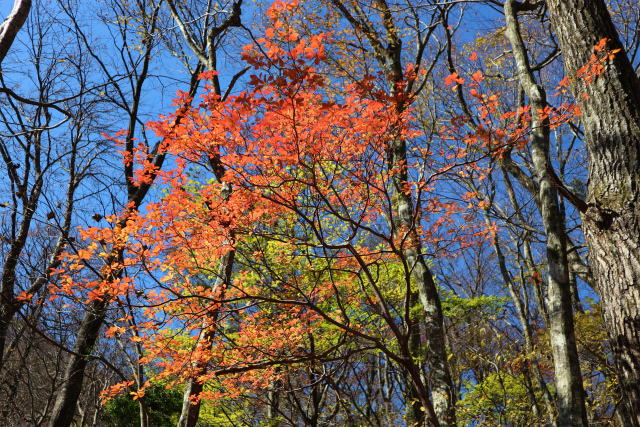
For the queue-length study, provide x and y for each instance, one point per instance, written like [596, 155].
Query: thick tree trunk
[568, 377]
[10, 27]
[611, 221]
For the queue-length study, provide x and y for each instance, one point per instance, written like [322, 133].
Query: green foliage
[468, 309]
[164, 409]
[501, 399]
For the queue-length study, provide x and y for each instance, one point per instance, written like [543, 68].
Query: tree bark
[568, 377]
[67, 396]
[414, 416]
[12, 24]
[611, 220]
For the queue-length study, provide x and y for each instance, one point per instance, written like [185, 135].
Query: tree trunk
[568, 377]
[67, 397]
[611, 219]
[10, 27]
[414, 416]
[191, 411]
[273, 406]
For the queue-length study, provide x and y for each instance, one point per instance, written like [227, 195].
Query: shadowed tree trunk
[10, 27]
[414, 416]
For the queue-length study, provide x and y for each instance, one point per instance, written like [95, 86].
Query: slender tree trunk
[442, 389]
[8, 304]
[384, 381]
[273, 400]
[67, 396]
[568, 377]
[191, 411]
[535, 409]
[414, 416]
[528, 256]
[575, 295]
[529, 349]
[611, 218]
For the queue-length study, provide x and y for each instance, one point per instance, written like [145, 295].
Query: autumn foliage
[292, 174]
[289, 173]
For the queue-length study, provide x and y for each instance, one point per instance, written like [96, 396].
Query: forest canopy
[319, 213]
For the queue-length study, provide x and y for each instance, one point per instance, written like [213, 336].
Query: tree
[568, 379]
[610, 117]
[203, 39]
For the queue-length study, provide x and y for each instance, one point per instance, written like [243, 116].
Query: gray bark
[414, 416]
[528, 256]
[273, 401]
[568, 377]
[442, 389]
